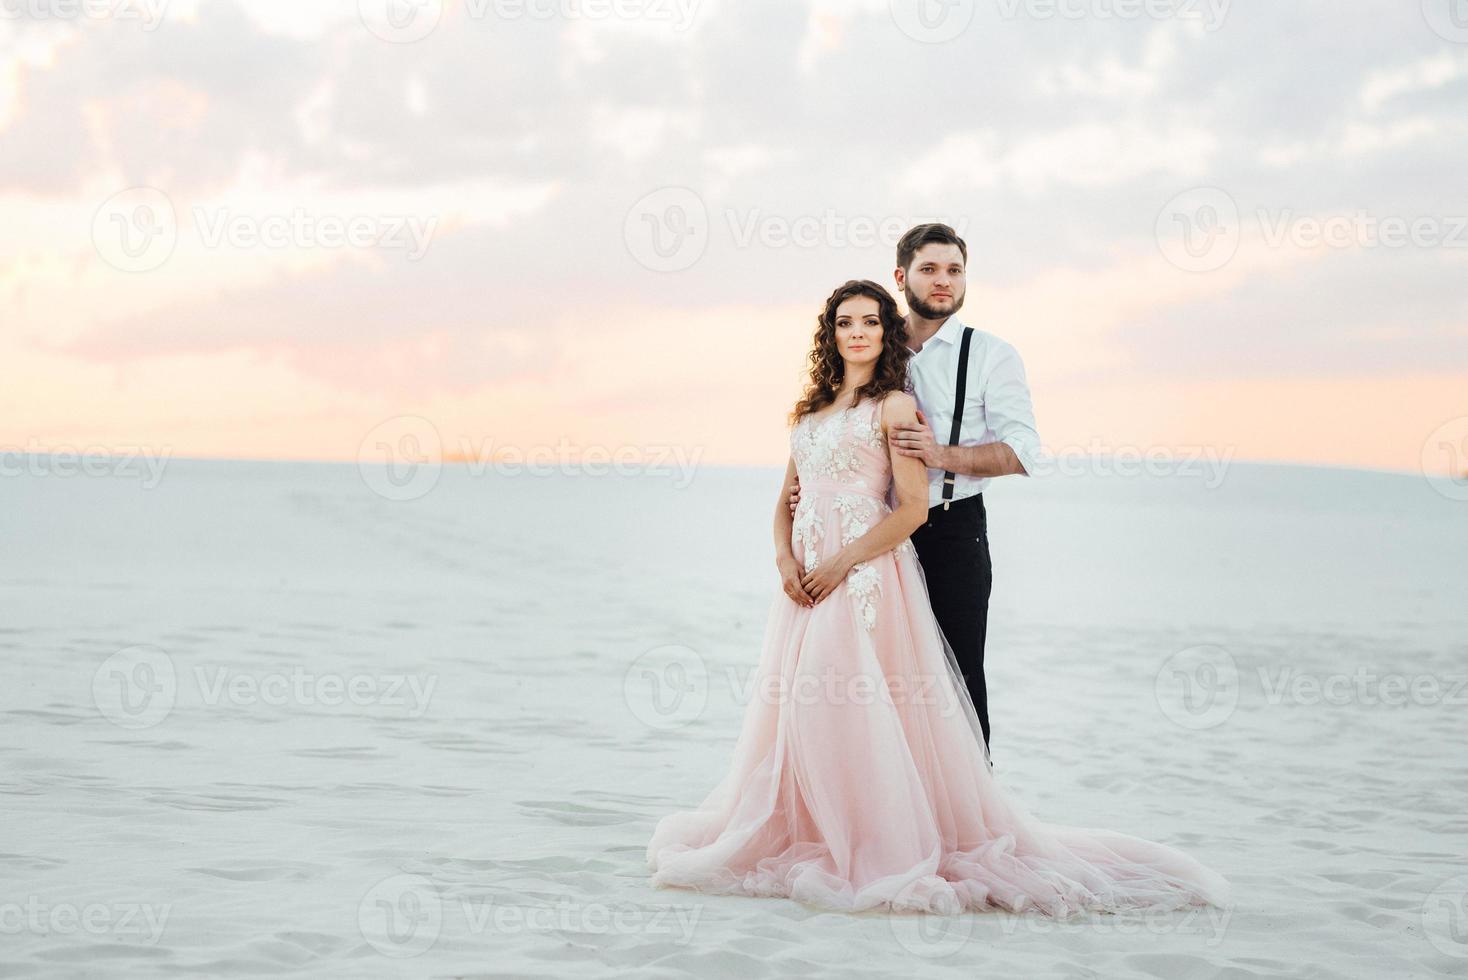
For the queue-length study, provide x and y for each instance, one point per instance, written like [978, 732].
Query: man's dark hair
[921, 235]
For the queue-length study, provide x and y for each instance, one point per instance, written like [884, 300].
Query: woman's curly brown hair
[827, 369]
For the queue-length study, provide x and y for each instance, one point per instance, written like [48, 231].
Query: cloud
[1089, 154]
[1424, 75]
[1054, 143]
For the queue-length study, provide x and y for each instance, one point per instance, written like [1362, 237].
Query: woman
[860, 779]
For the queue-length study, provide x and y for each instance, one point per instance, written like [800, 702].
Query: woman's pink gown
[860, 779]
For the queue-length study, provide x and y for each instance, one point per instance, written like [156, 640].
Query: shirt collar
[948, 333]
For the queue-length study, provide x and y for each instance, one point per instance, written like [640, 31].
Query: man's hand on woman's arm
[1007, 410]
[991, 459]
[791, 570]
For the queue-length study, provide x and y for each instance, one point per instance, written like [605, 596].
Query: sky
[280, 230]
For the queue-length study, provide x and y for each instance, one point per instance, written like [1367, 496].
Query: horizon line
[458, 461]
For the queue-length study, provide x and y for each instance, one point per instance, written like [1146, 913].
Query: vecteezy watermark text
[1364, 686]
[149, 13]
[940, 21]
[403, 457]
[135, 921]
[410, 21]
[137, 688]
[299, 228]
[404, 915]
[1101, 459]
[668, 229]
[138, 229]
[296, 686]
[1202, 229]
[60, 462]
[1201, 687]
[1210, 13]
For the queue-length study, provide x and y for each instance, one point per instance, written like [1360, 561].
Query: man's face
[934, 283]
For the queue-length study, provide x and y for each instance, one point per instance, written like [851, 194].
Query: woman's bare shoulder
[898, 406]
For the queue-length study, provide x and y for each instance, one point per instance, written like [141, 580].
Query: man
[997, 437]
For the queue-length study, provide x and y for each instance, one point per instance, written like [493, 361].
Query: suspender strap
[948, 477]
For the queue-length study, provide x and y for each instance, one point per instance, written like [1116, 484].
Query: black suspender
[968, 333]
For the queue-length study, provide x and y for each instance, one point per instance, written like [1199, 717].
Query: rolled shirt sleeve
[1008, 409]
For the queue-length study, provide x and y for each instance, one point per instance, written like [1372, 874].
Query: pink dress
[860, 778]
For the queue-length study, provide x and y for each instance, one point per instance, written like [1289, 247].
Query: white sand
[516, 789]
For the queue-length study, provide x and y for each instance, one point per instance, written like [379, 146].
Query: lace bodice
[845, 474]
[845, 448]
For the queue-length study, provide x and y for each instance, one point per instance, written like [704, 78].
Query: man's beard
[928, 312]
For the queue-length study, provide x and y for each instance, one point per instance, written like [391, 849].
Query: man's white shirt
[996, 403]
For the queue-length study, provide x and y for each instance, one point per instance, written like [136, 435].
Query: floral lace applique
[868, 430]
[831, 449]
[856, 512]
[821, 448]
[807, 530]
[863, 583]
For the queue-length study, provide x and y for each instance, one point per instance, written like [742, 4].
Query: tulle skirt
[860, 781]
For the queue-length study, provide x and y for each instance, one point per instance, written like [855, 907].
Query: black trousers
[953, 547]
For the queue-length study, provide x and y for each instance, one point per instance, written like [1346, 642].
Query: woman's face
[859, 330]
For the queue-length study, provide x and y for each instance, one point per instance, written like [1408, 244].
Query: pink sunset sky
[261, 230]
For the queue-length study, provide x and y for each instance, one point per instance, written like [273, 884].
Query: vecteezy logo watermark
[407, 21]
[1445, 917]
[932, 21]
[401, 916]
[136, 922]
[678, 14]
[1447, 18]
[667, 687]
[62, 462]
[295, 686]
[299, 228]
[401, 458]
[1445, 459]
[1199, 230]
[139, 686]
[569, 915]
[135, 230]
[667, 230]
[148, 12]
[405, 915]
[136, 687]
[834, 686]
[567, 458]
[1198, 687]
[1100, 459]
[400, 21]
[1363, 687]
[830, 229]
[1209, 922]
[1362, 230]
[1210, 13]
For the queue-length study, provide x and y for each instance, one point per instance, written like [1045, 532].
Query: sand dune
[260, 720]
